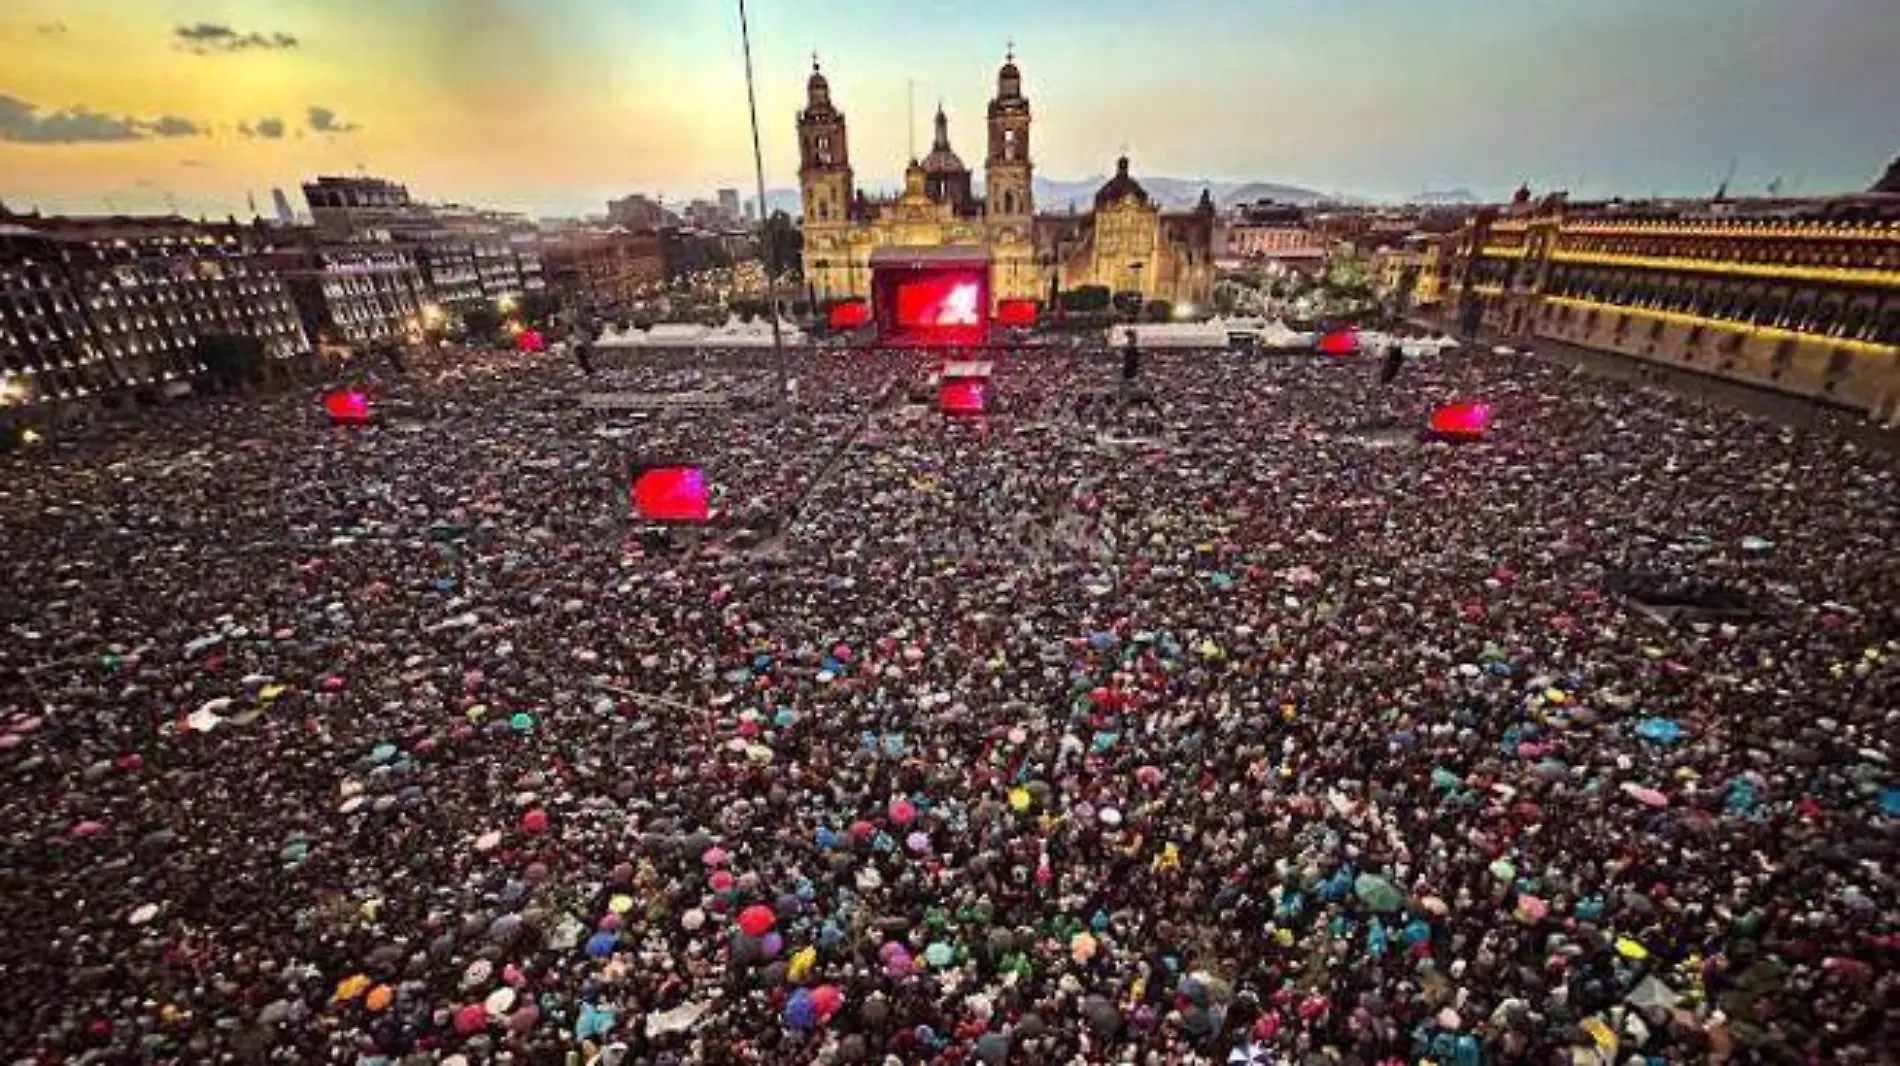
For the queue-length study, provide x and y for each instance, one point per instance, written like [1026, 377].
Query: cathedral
[1126, 244]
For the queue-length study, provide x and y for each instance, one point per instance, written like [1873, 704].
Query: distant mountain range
[1447, 197]
[1174, 194]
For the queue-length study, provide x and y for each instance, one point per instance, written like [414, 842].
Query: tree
[231, 360]
[538, 309]
[783, 247]
[482, 323]
[1128, 303]
[1158, 311]
[1086, 299]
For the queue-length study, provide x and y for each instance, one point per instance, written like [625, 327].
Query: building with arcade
[1796, 296]
[1126, 244]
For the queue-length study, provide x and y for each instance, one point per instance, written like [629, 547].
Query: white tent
[734, 334]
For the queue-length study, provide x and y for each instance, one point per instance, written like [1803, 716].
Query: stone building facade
[1127, 243]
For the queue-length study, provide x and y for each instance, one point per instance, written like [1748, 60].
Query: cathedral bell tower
[824, 170]
[1007, 191]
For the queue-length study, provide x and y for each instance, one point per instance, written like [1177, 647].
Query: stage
[931, 297]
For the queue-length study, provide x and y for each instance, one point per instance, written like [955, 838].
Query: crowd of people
[1233, 726]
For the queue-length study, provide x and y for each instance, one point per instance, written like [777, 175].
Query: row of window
[1866, 255]
[1806, 310]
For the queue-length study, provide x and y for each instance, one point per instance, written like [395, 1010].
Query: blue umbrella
[1659, 730]
[800, 1012]
[601, 945]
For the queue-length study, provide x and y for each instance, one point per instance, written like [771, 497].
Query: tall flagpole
[758, 166]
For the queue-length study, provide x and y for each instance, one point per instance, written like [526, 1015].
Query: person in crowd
[400, 744]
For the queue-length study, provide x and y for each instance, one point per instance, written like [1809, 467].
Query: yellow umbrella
[1018, 799]
[351, 987]
[801, 965]
[620, 904]
[1630, 949]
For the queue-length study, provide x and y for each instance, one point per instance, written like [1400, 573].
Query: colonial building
[607, 270]
[355, 293]
[93, 305]
[1126, 244]
[1802, 298]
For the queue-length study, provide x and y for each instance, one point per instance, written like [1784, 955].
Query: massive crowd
[1252, 729]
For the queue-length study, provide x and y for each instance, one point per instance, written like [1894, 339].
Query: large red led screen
[1462, 421]
[963, 396]
[1339, 342]
[670, 494]
[1016, 312]
[849, 314]
[933, 306]
[347, 407]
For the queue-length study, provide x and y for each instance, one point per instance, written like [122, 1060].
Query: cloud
[173, 126]
[50, 29]
[271, 129]
[24, 123]
[324, 120]
[205, 38]
[194, 163]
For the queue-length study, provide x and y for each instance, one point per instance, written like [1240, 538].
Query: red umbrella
[535, 821]
[757, 920]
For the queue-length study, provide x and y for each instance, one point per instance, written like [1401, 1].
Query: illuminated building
[1801, 297]
[354, 294]
[1126, 243]
[605, 270]
[93, 305]
[465, 255]
[638, 214]
[1274, 231]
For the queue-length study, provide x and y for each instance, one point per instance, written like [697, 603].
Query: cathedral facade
[1127, 243]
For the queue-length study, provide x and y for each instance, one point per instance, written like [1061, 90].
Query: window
[1009, 202]
[1838, 363]
[1009, 145]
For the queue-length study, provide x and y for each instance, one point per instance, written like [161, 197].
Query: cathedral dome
[1120, 187]
[941, 159]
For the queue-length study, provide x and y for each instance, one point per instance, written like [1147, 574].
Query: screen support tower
[758, 169]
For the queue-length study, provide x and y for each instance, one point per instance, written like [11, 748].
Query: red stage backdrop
[670, 494]
[931, 297]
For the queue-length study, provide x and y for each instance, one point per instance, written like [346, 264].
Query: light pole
[758, 168]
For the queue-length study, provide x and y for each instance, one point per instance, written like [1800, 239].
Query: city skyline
[553, 107]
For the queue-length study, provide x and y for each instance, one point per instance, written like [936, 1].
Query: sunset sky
[553, 106]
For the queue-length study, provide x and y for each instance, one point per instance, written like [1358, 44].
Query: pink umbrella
[88, 829]
[1648, 797]
[721, 881]
[714, 856]
[471, 1019]
[902, 811]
